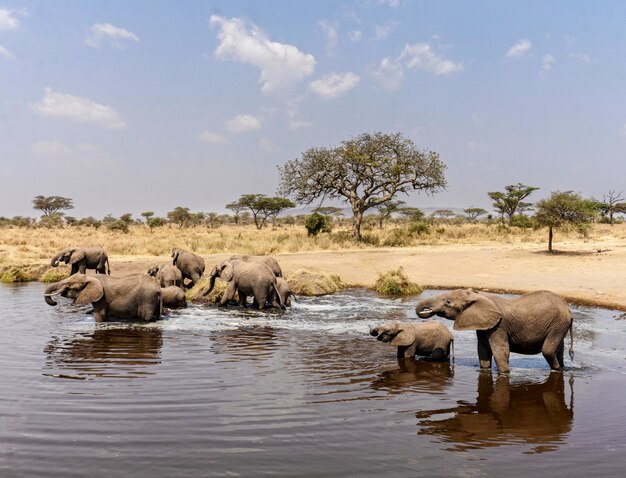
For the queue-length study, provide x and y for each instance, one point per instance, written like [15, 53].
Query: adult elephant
[83, 258]
[191, 265]
[533, 323]
[132, 296]
[247, 279]
[269, 261]
[167, 275]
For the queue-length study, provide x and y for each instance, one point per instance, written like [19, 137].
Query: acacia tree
[512, 200]
[236, 208]
[565, 210]
[263, 207]
[366, 172]
[473, 213]
[51, 205]
[611, 204]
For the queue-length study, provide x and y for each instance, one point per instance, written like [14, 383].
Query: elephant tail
[108, 266]
[571, 340]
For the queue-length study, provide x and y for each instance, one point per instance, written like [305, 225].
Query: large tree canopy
[261, 207]
[512, 200]
[50, 205]
[565, 210]
[366, 172]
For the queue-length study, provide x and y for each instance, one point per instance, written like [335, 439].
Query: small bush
[118, 225]
[54, 275]
[317, 223]
[13, 275]
[308, 283]
[395, 283]
[419, 228]
[398, 238]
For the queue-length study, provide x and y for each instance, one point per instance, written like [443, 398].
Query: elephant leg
[550, 351]
[499, 344]
[261, 299]
[229, 293]
[559, 354]
[100, 313]
[74, 269]
[484, 351]
[243, 299]
[82, 268]
[408, 351]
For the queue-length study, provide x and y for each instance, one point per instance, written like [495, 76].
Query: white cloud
[267, 146]
[546, 65]
[581, 57]
[622, 131]
[389, 74]
[296, 125]
[8, 21]
[335, 84]
[383, 31]
[282, 65]
[519, 49]
[77, 108]
[422, 57]
[106, 33]
[355, 35]
[390, 3]
[6, 53]
[212, 138]
[330, 32]
[243, 124]
[54, 149]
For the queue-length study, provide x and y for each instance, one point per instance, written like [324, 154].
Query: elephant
[533, 323]
[269, 261]
[428, 339]
[132, 296]
[167, 275]
[173, 297]
[284, 291]
[505, 413]
[246, 278]
[83, 258]
[191, 265]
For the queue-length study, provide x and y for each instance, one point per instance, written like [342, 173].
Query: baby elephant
[173, 297]
[428, 339]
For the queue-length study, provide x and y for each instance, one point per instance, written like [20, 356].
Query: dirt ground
[584, 273]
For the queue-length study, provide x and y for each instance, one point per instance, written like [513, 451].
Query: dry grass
[32, 248]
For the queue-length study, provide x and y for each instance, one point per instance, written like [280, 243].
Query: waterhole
[307, 392]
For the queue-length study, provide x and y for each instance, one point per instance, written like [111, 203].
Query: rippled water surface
[307, 392]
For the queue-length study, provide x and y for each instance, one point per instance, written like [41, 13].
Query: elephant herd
[531, 324]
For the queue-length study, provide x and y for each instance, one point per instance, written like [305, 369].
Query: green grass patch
[54, 275]
[13, 275]
[394, 282]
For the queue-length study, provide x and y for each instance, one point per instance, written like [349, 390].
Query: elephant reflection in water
[422, 375]
[106, 352]
[506, 414]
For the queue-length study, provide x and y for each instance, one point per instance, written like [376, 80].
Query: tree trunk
[550, 236]
[357, 219]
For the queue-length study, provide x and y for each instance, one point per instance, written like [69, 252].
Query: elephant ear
[227, 272]
[481, 314]
[92, 292]
[77, 256]
[404, 338]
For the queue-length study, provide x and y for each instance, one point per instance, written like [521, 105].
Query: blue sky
[128, 106]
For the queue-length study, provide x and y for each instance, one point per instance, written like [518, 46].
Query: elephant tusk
[52, 294]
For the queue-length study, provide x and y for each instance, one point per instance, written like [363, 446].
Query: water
[226, 392]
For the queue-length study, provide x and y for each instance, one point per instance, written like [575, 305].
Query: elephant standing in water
[247, 279]
[430, 339]
[132, 296]
[191, 265]
[167, 275]
[533, 323]
[83, 258]
[505, 414]
[284, 291]
[173, 297]
[269, 261]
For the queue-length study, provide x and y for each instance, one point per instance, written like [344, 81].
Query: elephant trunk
[52, 290]
[55, 260]
[211, 282]
[424, 309]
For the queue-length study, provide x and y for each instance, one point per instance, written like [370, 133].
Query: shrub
[395, 283]
[308, 283]
[317, 223]
[54, 275]
[118, 225]
[419, 228]
[13, 275]
[397, 238]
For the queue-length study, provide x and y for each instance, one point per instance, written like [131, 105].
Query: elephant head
[468, 309]
[153, 271]
[70, 255]
[392, 333]
[223, 270]
[80, 287]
